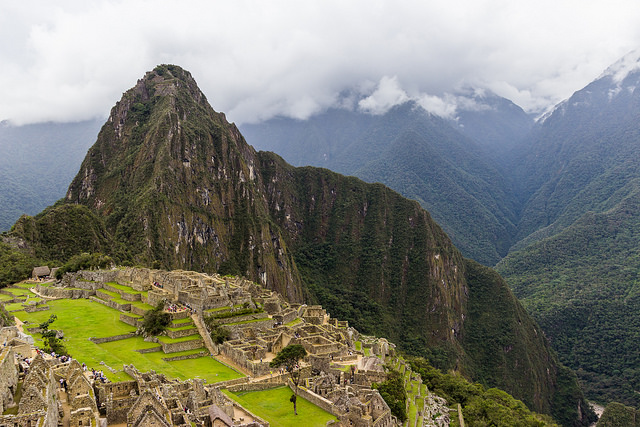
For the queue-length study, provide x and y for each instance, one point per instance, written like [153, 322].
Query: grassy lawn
[273, 405]
[294, 322]
[80, 319]
[19, 291]
[141, 305]
[127, 289]
[123, 351]
[165, 339]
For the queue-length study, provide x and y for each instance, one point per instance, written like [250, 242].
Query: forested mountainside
[170, 183]
[558, 197]
[422, 156]
[577, 270]
[37, 163]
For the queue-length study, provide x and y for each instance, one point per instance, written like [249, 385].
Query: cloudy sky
[72, 60]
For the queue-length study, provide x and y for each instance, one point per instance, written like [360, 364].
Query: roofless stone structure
[336, 376]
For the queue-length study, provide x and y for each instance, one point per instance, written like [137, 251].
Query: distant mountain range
[170, 183]
[427, 158]
[37, 162]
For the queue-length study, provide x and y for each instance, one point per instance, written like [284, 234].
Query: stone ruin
[335, 376]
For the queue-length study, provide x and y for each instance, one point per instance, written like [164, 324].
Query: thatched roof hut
[40, 272]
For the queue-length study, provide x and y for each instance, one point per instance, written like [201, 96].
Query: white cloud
[387, 94]
[69, 60]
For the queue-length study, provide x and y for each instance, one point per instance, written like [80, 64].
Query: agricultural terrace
[273, 406]
[81, 319]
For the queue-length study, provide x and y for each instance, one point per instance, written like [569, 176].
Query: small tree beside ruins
[50, 337]
[156, 320]
[289, 358]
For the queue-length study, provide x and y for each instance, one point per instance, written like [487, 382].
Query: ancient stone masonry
[8, 378]
[38, 405]
[337, 375]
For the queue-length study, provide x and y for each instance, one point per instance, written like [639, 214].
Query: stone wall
[243, 318]
[130, 320]
[286, 317]
[149, 350]
[182, 332]
[319, 401]
[37, 307]
[35, 419]
[181, 346]
[119, 389]
[112, 338]
[112, 304]
[70, 293]
[236, 329]
[8, 377]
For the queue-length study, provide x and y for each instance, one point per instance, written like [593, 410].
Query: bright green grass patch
[182, 328]
[26, 285]
[5, 297]
[412, 413]
[367, 351]
[123, 351]
[80, 319]
[19, 291]
[358, 345]
[180, 321]
[273, 405]
[167, 340]
[124, 288]
[294, 322]
[110, 293]
[141, 305]
[14, 306]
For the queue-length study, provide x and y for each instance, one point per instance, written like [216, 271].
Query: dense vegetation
[583, 288]
[156, 320]
[15, 265]
[481, 406]
[619, 415]
[393, 392]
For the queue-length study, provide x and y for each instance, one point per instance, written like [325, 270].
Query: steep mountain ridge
[575, 267]
[367, 146]
[171, 183]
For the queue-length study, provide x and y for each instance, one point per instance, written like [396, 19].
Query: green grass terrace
[273, 406]
[81, 319]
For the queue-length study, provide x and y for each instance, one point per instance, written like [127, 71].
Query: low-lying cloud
[71, 60]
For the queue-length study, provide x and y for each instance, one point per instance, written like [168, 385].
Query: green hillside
[582, 286]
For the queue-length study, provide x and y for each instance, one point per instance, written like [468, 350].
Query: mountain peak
[620, 69]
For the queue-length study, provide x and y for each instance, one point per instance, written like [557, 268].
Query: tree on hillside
[290, 358]
[50, 337]
[156, 320]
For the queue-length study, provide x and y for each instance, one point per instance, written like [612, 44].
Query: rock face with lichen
[170, 183]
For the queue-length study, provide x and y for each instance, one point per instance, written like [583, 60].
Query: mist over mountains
[553, 203]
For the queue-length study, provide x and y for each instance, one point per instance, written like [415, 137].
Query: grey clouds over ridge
[71, 60]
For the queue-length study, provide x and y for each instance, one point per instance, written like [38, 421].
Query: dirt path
[62, 396]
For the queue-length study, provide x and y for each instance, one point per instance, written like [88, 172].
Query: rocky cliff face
[176, 186]
[179, 185]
